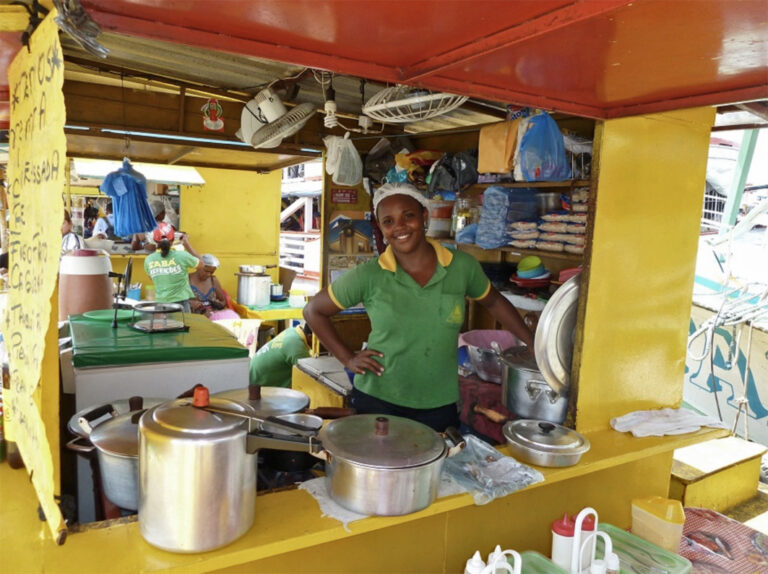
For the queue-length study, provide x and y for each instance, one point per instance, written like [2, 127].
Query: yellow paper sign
[36, 169]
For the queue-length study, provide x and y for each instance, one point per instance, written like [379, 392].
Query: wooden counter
[290, 535]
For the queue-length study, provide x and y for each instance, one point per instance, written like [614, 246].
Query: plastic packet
[486, 473]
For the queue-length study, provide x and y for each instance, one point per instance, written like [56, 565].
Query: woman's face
[206, 272]
[402, 220]
[66, 227]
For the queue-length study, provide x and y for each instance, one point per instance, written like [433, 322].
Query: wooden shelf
[573, 257]
[538, 184]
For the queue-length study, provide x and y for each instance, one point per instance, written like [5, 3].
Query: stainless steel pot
[544, 444]
[111, 431]
[197, 482]
[117, 444]
[384, 465]
[253, 289]
[524, 390]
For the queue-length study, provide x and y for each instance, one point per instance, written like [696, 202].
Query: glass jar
[464, 213]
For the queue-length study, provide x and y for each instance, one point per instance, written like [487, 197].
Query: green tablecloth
[96, 344]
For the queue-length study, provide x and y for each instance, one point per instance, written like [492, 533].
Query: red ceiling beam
[710, 99]
[544, 24]
[507, 96]
[219, 42]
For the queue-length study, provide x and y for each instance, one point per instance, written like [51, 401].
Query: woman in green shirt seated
[169, 269]
[415, 296]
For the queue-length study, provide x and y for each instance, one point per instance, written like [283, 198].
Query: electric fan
[405, 104]
[264, 121]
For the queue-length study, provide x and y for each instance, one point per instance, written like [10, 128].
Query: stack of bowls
[530, 267]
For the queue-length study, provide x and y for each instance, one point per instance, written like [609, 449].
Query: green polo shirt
[171, 275]
[271, 366]
[416, 328]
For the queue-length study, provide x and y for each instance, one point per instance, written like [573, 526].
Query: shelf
[573, 257]
[538, 184]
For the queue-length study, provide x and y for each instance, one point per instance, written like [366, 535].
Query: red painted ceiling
[596, 58]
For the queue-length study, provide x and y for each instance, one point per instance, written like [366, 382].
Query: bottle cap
[565, 526]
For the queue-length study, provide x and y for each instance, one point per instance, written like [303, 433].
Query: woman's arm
[504, 312]
[318, 313]
[185, 242]
[221, 296]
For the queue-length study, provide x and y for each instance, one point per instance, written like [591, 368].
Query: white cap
[210, 260]
[390, 189]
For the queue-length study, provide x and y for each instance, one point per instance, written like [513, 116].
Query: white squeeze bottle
[475, 564]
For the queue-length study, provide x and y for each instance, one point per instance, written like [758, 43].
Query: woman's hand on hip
[364, 361]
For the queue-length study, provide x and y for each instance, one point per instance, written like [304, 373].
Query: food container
[254, 289]
[525, 392]
[659, 521]
[84, 282]
[547, 201]
[197, 482]
[637, 555]
[385, 466]
[543, 443]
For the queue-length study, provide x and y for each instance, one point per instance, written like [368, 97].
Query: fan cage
[402, 104]
[272, 134]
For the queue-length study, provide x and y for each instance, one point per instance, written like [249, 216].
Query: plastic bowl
[528, 263]
[531, 273]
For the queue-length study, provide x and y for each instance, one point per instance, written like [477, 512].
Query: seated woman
[210, 298]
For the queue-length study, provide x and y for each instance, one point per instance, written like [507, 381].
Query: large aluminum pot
[383, 465]
[525, 392]
[197, 482]
[254, 289]
[115, 438]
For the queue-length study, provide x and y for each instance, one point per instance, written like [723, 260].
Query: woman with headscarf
[415, 296]
[209, 299]
[169, 269]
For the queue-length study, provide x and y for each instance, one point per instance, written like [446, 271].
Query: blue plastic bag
[542, 151]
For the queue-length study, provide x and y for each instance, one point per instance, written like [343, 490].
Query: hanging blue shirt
[128, 190]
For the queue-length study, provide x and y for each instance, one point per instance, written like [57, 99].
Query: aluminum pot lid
[555, 334]
[121, 407]
[180, 418]
[119, 435]
[378, 441]
[545, 437]
[274, 400]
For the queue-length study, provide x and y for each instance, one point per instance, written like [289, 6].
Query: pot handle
[84, 421]
[534, 388]
[458, 441]
[331, 412]
[81, 445]
[259, 439]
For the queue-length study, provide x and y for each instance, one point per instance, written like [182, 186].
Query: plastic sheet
[486, 473]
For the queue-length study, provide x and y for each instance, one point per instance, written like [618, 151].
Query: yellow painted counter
[290, 535]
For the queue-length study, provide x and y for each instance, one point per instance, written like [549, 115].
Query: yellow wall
[235, 216]
[641, 264]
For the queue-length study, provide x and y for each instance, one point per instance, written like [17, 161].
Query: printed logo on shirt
[164, 267]
[456, 317]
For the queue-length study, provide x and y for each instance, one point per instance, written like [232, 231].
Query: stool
[716, 474]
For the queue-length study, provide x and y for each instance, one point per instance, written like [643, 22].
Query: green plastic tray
[108, 314]
[638, 556]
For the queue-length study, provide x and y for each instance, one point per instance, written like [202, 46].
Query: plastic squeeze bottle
[475, 564]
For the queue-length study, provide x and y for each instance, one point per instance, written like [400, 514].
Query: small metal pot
[543, 443]
[525, 392]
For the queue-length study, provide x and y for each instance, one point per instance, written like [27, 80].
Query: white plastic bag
[333, 147]
[350, 169]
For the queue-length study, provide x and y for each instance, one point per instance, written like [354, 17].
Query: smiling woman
[415, 296]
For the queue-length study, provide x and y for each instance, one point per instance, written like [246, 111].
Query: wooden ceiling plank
[544, 24]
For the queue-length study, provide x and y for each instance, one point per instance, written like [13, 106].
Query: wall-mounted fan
[405, 104]
[264, 121]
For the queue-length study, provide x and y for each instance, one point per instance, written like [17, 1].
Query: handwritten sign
[36, 178]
